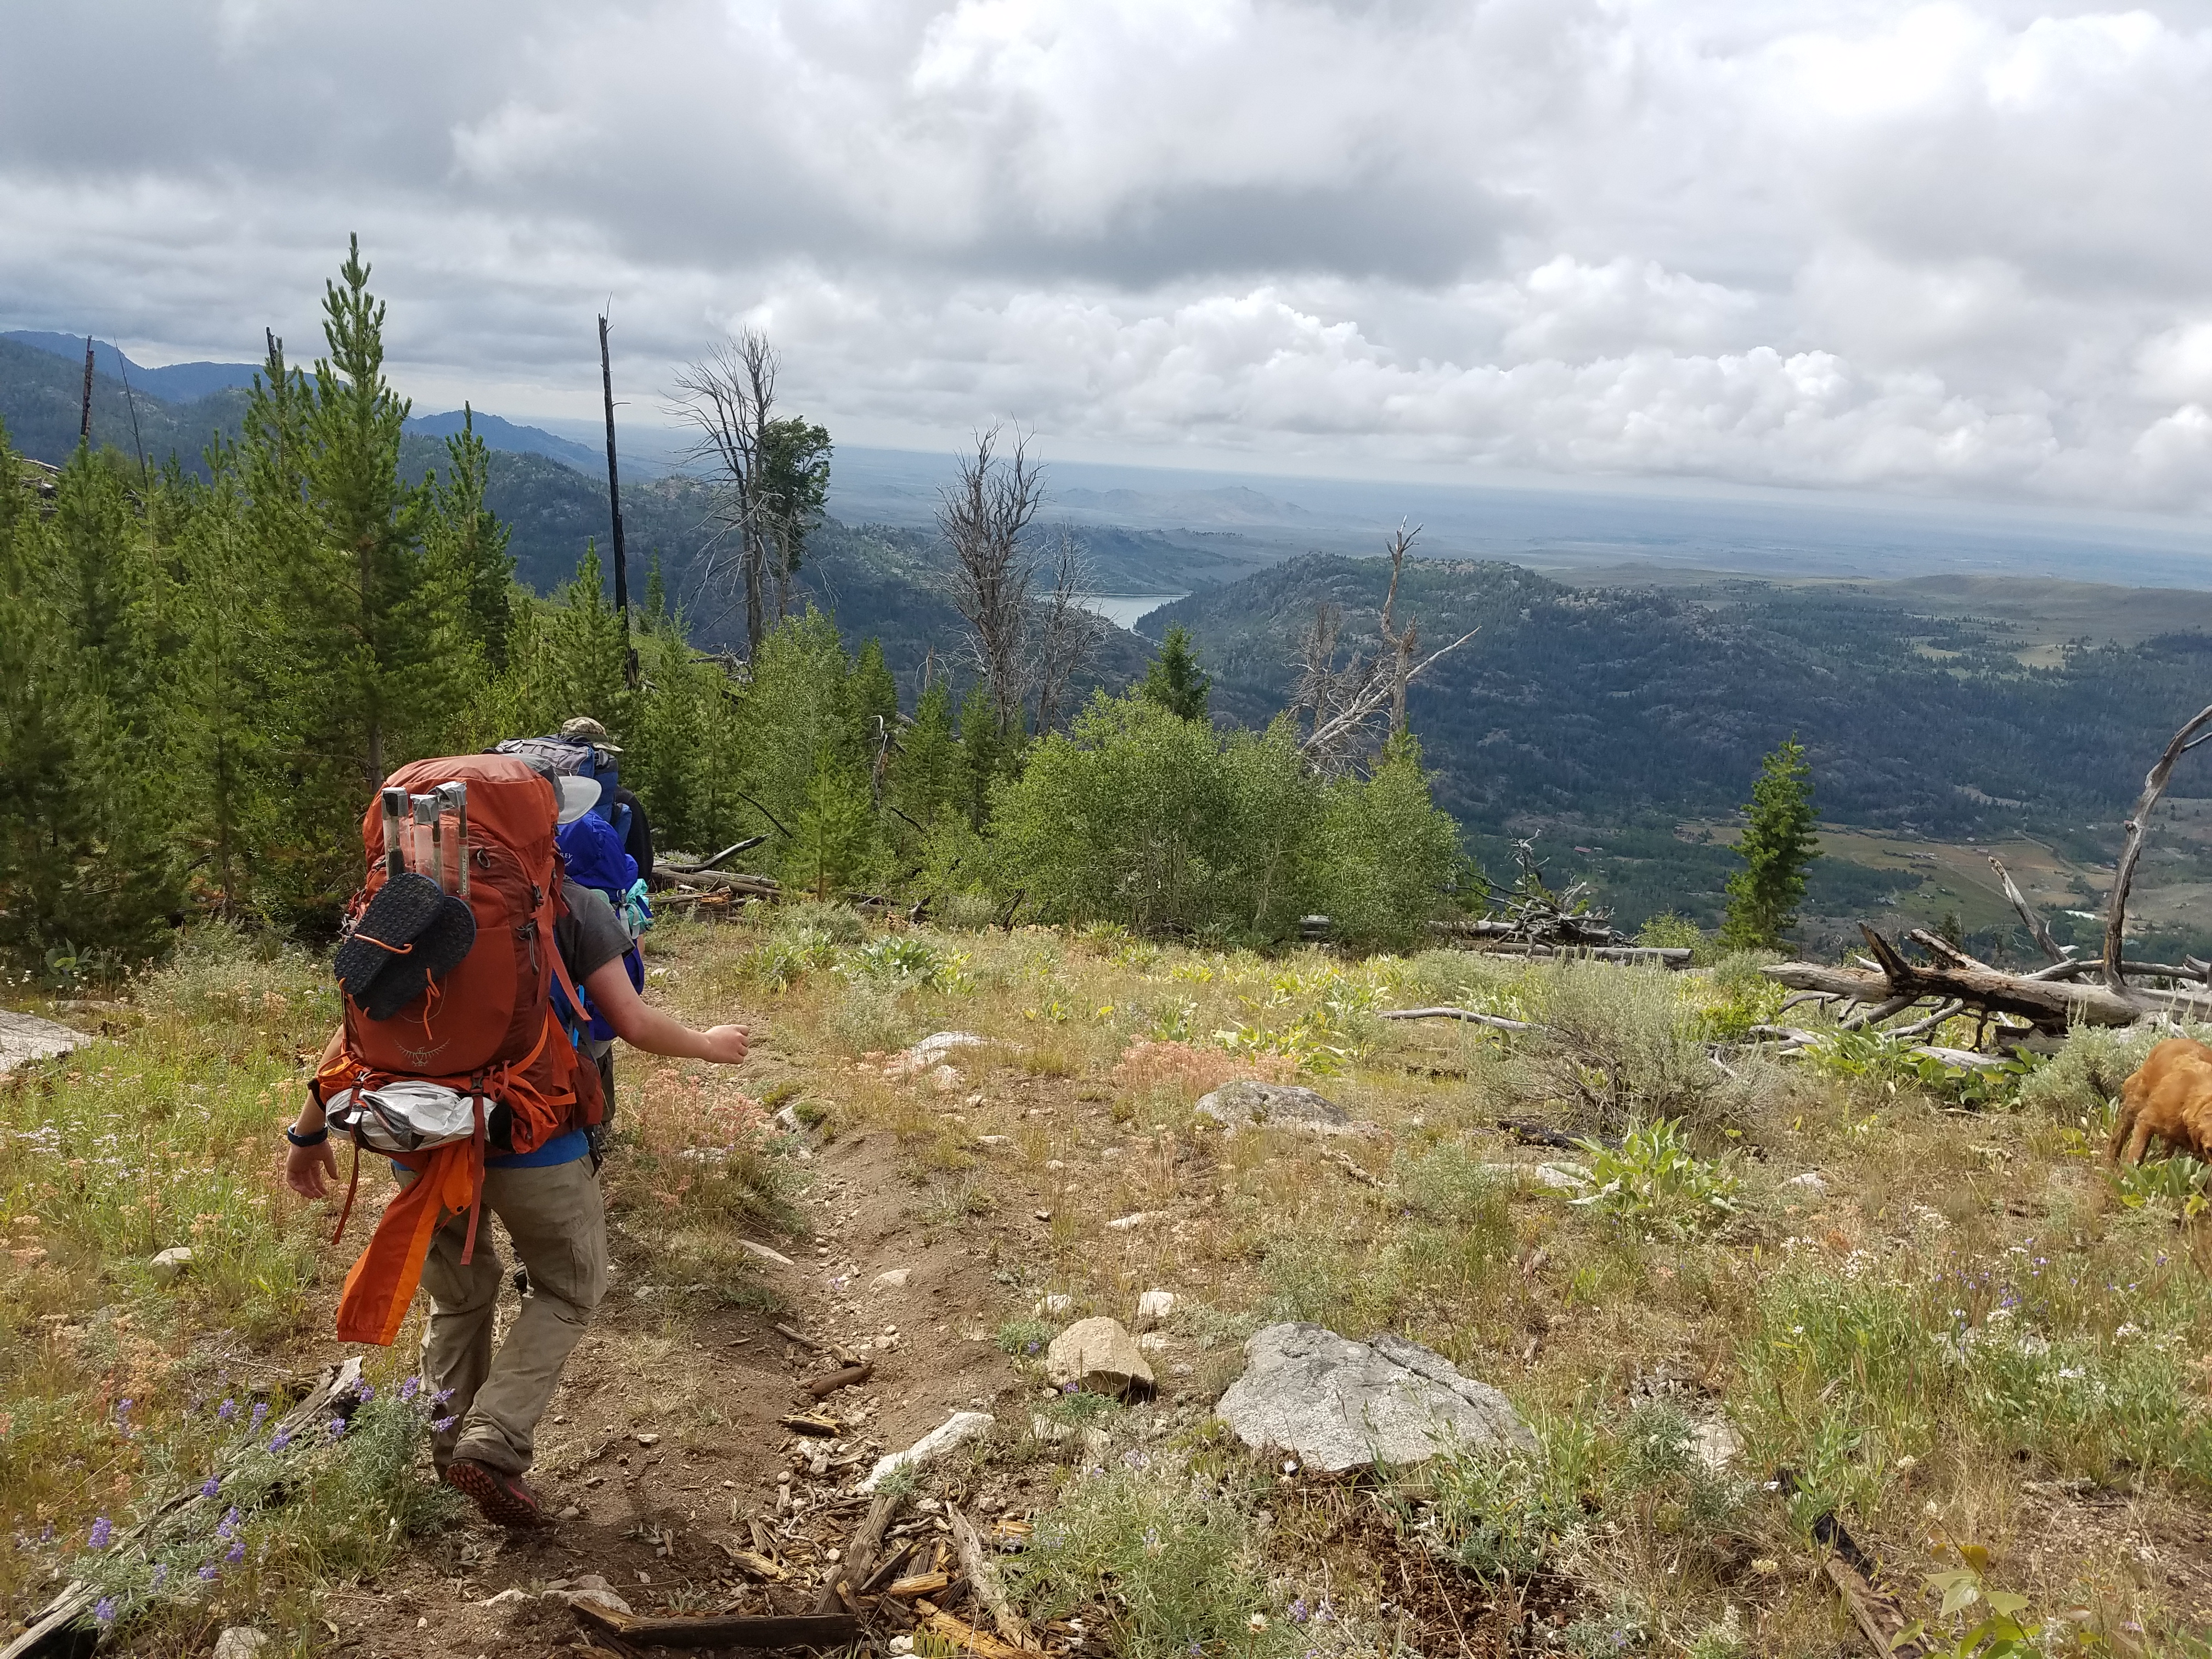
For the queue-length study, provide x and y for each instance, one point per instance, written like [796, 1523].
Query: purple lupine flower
[441, 1396]
[122, 1406]
[441, 1425]
[225, 1411]
[229, 1523]
[260, 1413]
[409, 1389]
[236, 1553]
[338, 1427]
[368, 1393]
[104, 1612]
[281, 1439]
[1299, 1611]
[101, 1531]
[212, 1487]
[208, 1572]
[161, 1574]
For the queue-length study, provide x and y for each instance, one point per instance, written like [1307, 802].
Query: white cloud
[1944, 247]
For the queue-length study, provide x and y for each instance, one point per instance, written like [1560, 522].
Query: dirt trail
[664, 1438]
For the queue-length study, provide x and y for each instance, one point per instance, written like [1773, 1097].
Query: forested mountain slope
[1613, 704]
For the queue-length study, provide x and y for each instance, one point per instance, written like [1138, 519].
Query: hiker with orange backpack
[458, 1060]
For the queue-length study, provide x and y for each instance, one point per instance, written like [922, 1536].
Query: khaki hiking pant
[560, 1230]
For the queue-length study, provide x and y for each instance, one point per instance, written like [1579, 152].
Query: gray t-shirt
[590, 935]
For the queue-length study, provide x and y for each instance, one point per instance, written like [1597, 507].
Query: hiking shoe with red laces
[502, 1497]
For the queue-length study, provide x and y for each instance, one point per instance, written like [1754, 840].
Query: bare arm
[648, 1028]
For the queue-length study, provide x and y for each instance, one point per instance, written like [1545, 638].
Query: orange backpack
[499, 1027]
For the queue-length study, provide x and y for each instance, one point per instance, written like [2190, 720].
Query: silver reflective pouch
[406, 1115]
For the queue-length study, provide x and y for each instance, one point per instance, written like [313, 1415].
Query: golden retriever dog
[2168, 1095]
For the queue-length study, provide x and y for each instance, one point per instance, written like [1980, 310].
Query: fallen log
[730, 881]
[859, 1552]
[982, 1644]
[982, 1576]
[725, 1630]
[1495, 1022]
[2049, 1004]
[705, 865]
[1645, 956]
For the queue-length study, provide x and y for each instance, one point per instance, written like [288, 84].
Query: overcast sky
[1950, 248]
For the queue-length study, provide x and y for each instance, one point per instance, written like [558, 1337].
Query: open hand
[309, 1170]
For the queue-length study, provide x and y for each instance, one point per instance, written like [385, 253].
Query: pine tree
[834, 837]
[1174, 680]
[926, 773]
[587, 660]
[1776, 847]
[468, 544]
[366, 573]
[984, 754]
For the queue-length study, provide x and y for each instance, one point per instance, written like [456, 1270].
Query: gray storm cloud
[1945, 247]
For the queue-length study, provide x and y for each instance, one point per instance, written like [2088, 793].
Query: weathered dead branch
[2049, 1004]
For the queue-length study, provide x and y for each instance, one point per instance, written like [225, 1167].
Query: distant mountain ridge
[195, 383]
[174, 383]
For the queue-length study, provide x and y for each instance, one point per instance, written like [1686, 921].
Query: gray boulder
[1099, 1356]
[1337, 1404]
[1247, 1102]
[26, 1037]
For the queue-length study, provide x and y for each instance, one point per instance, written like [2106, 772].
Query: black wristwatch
[314, 1139]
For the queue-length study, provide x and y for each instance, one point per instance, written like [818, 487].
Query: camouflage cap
[584, 729]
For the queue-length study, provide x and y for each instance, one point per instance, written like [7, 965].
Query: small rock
[894, 1280]
[786, 1118]
[1099, 1356]
[1341, 1405]
[1153, 1308]
[241, 1642]
[570, 1511]
[764, 1253]
[929, 1052]
[1129, 1224]
[594, 1588]
[1248, 1102]
[169, 1266]
[1044, 1428]
[1715, 1444]
[1053, 1304]
[1153, 1342]
[1562, 1177]
[944, 1080]
[509, 1597]
[647, 1439]
[1810, 1182]
[902, 1645]
[1054, 1164]
[994, 1140]
[959, 1427]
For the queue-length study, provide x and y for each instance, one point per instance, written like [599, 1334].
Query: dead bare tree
[984, 516]
[1344, 702]
[1067, 633]
[728, 396]
[1401, 639]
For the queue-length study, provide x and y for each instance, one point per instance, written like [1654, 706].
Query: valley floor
[1955, 1332]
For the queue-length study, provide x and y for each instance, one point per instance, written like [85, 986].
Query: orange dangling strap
[353, 1186]
[476, 1204]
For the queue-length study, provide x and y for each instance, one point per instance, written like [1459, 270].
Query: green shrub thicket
[1142, 817]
